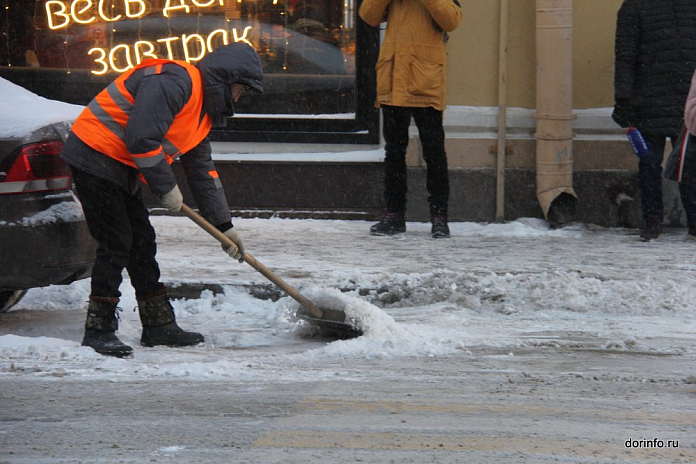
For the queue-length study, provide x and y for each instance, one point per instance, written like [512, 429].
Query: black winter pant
[432, 136]
[120, 224]
[650, 181]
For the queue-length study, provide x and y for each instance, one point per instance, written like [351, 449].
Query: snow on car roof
[22, 111]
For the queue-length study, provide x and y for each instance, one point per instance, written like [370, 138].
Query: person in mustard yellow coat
[411, 71]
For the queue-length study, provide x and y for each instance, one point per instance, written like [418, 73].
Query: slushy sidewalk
[509, 343]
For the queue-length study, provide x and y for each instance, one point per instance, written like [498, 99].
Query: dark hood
[236, 62]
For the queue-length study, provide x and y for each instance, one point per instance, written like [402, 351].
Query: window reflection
[94, 40]
[311, 48]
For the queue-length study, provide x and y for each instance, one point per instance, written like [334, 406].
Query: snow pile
[66, 211]
[13, 342]
[528, 293]
[525, 227]
[359, 313]
[382, 335]
[16, 350]
[22, 111]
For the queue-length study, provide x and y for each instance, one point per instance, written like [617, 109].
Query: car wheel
[9, 298]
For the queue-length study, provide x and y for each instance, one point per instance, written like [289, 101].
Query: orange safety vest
[102, 125]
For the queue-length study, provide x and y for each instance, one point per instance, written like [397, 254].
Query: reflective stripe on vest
[102, 125]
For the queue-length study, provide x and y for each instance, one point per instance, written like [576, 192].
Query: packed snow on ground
[505, 287]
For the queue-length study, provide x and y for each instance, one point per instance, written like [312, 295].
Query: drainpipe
[554, 90]
[502, 112]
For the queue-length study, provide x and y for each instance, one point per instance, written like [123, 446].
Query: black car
[44, 238]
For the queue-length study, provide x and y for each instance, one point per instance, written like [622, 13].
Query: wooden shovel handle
[270, 275]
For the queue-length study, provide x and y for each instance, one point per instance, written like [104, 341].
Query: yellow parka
[412, 62]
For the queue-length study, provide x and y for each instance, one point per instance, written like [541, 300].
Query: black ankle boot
[652, 228]
[159, 323]
[101, 326]
[391, 223]
[440, 228]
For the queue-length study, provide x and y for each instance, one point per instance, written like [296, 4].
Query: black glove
[623, 114]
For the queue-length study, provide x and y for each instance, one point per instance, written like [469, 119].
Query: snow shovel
[331, 319]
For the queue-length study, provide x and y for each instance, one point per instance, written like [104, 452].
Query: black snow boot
[652, 229]
[159, 323]
[391, 223]
[101, 326]
[440, 228]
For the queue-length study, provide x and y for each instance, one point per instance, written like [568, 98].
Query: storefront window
[70, 49]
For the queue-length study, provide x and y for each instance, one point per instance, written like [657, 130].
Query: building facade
[527, 80]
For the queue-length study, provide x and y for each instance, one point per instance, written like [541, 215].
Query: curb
[193, 290]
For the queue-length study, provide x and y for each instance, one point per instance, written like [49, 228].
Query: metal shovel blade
[332, 321]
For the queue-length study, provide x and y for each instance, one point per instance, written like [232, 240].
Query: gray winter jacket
[158, 99]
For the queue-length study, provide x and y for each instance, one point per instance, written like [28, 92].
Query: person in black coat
[655, 57]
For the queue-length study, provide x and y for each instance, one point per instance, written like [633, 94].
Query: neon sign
[142, 49]
[86, 11]
[123, 56]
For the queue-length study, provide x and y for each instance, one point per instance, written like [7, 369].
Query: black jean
[432, 137]
[120, 223]
[650, 181]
